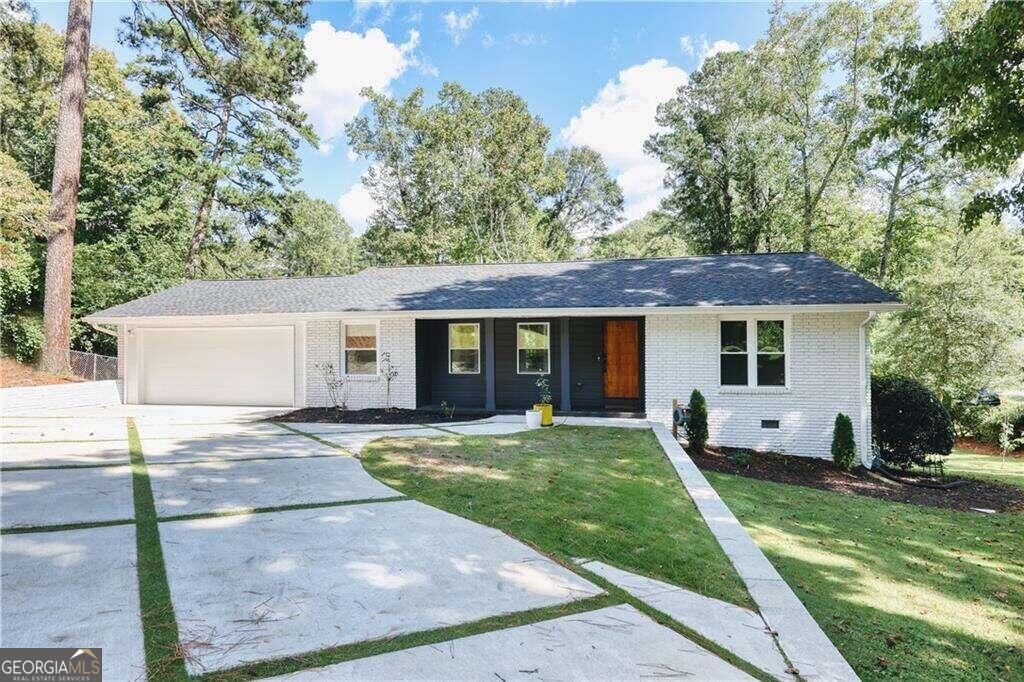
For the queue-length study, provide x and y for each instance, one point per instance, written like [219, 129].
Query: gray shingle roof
[731, 280]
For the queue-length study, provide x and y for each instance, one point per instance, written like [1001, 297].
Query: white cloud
[346, 63]
[356, 206]
[487, 40]
[618, 122]
[526, 39]
[705, 50]
[457, 25]
[718, 47]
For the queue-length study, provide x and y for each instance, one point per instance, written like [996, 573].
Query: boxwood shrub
[909, 425]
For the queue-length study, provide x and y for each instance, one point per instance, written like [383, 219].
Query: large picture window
[752, 352]
[360, 348]
[533, 347]
[464, 348]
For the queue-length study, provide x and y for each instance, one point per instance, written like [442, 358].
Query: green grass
[599, 493]
[905, 592]
[990, 467]
[164, 659]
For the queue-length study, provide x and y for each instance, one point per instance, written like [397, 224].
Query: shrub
[697, 428]
[844, 450]
[909, 424]
[990, 424]
[22, 336]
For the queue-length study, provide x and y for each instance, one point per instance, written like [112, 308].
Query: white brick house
[777, 343]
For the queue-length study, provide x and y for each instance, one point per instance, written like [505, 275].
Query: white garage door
[218, 366]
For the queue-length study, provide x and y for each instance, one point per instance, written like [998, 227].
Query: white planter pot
[533, 419]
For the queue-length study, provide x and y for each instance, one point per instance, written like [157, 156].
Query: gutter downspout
[866, 456]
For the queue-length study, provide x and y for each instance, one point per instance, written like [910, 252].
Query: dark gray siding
[513, 390]
[459, 390]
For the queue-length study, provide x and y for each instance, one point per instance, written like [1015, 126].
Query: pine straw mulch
[824, 475]
[14, 373]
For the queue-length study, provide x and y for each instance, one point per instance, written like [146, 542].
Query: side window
[361, 348]
[734, 353]
[464, 348]
[771, 353]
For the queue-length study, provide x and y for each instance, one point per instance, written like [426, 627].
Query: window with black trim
[752, 352]
[533, 347]
[734, 360]
[771, 353]
[463, 348]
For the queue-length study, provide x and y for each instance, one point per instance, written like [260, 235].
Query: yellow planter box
[546, 412]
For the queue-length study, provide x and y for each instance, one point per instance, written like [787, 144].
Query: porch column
[566, 401]
[489, 401]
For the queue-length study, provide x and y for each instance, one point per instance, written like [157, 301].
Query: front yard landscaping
[600, 493]
[990, 485]
[904, 591]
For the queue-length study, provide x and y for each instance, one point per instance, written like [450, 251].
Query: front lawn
[599, 493]
[904, 591]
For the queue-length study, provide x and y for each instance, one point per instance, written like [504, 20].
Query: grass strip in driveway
[41, 467]
[315, 437]
[159, 628]
[282, 508]
[903, 591]
[64, 526]
[349, 652]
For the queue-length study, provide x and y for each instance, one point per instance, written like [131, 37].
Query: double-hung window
[360, 349]
[533, 347]
[752, 352]
[464, 348]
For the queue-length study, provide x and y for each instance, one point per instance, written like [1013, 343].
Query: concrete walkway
[739, 630]
[806, 645]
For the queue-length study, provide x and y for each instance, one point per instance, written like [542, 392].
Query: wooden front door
[621, 359]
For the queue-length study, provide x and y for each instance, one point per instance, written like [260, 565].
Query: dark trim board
[577, 367]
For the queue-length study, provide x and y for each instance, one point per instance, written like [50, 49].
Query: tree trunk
[67, 167]
[890, 220]
[209, 195]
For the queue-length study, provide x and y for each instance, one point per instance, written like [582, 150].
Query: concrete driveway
[276, 544]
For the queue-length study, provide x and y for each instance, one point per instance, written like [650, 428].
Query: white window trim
[548, 335]
[752, 320]
[344, 357]
[477, 349]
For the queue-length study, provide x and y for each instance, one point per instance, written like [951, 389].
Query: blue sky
[593, 71]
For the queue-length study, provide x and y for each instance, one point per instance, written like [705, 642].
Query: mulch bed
[824, 475]
[972, 445]
[14, 373]
[329, 415]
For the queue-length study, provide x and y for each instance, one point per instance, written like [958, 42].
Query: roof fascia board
[291, 318]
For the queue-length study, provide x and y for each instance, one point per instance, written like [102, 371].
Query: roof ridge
[597, 260]
[506, 263]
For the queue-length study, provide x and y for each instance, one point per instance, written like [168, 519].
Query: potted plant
[543, 404]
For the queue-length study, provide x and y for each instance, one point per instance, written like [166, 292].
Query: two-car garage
[213, 365]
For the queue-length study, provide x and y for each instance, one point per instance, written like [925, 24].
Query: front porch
[595, 365]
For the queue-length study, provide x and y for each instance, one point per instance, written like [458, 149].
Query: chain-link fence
[92, 366]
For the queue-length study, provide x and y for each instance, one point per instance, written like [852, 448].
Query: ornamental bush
[844, 450]
[697, 428]
[908, 423]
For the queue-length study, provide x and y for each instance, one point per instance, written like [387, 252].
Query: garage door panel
[219, 366]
